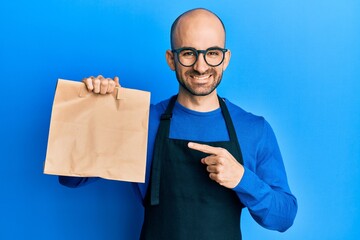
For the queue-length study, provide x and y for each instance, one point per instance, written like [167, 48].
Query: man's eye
[213, 53]
[187, 53]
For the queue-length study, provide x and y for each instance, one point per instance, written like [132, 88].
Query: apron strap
[231, 129]
[162, 134]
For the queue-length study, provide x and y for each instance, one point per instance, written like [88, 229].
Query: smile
[201, 77]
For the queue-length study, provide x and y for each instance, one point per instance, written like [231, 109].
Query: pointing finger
[204, 148]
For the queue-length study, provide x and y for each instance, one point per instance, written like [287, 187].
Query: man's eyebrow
[215, 46]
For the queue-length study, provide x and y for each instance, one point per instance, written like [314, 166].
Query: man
[207, 158]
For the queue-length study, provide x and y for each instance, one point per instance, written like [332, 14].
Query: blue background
[297, 63]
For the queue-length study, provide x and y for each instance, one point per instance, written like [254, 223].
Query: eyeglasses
[188, 56]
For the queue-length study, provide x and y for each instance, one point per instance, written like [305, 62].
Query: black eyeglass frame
[204, 52]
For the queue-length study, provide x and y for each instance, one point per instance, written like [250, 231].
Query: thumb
[116, 79]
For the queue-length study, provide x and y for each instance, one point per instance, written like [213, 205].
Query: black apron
[182, 202]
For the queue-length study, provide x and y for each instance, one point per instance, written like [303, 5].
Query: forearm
[272, 207]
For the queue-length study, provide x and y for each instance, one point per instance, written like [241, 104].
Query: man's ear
[170, 59]
[226, 59]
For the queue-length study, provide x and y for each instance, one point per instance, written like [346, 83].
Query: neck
[199, 103]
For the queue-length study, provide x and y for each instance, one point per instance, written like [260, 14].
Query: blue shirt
[263, 188]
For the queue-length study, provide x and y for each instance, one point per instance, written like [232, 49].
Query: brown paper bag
[94, 135]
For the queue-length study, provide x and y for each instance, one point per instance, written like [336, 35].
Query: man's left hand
[221, 165]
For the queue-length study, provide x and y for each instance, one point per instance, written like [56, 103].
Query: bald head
[196, 22]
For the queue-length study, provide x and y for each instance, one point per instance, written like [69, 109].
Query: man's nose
[201, 66]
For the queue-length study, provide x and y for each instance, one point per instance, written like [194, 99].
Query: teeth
[201, 78]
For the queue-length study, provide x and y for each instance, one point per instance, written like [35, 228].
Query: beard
[199, 89]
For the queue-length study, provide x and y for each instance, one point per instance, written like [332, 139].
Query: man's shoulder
[247, 124]
[158, 108]
[240, 114]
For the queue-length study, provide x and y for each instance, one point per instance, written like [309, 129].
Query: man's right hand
[101, 85]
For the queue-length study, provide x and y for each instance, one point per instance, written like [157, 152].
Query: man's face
[200, 33]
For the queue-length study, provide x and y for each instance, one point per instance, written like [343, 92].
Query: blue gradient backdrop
[297, 63]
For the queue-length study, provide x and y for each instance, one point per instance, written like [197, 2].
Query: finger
[213, 169]
[89, 84]
[96, 83]
[111, 86]
[204, 148]
[211, 160]
[117, 83]
[104, 85]
[213, 176]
